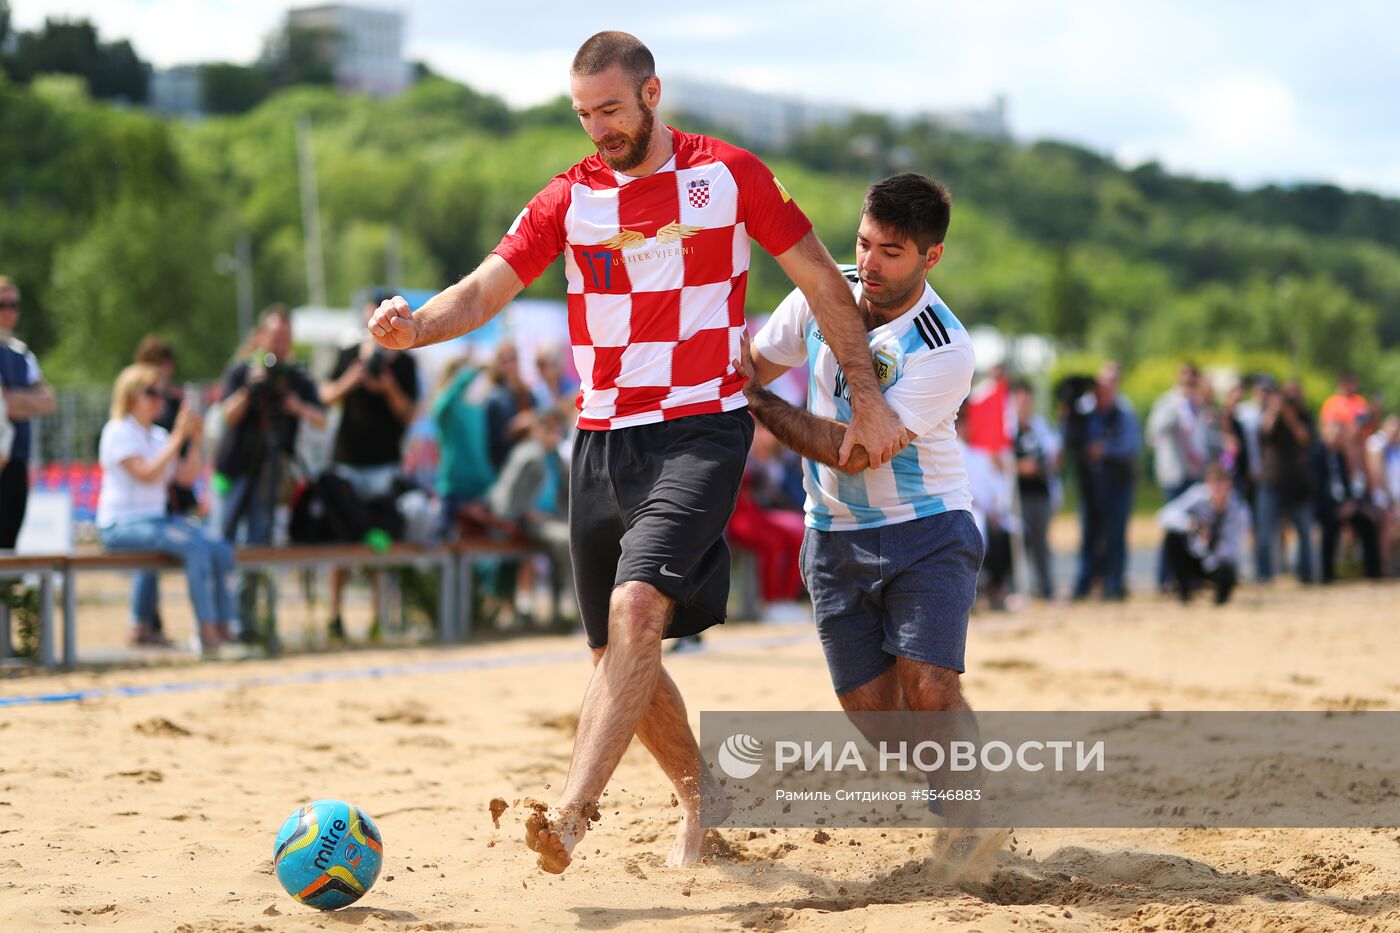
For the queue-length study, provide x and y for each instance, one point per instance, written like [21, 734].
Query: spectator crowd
[1252, 478]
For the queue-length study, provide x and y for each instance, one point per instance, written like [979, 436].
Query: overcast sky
[1247, 90]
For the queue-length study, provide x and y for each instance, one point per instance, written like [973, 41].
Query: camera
[278, 383]
[377, 362]
[1070, 394]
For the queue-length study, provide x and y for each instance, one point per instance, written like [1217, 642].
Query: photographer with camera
[266, 397]
[378, 391]
[1107, 442]
[1285, 491]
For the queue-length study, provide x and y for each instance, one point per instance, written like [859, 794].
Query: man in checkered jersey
[655, 231]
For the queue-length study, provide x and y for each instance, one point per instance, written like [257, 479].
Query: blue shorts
[901, 590]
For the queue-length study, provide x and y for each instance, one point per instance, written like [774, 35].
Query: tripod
[254, 499]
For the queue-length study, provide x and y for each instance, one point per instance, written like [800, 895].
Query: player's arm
[928, 393]
[815, 438]
[762, 371]
[873, 425]
[456, 310]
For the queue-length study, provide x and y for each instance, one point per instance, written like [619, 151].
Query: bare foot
[689, 838]
[712, 807]
[969, 856]
[553, 834]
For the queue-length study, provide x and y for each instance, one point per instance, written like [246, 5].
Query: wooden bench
[454, 562]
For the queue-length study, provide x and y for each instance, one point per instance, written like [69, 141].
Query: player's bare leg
[968, 853]
[914, 686]
[929, 687]
[619, 694]
[879, 694]
[665, 731]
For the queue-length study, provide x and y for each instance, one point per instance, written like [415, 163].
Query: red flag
[986, 415]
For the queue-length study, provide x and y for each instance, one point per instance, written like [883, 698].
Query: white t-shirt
[990, 487]
[924, 362]
[124, 498]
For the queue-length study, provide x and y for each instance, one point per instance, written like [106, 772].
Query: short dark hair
[911, 205]
[603, 50]
[154, 351]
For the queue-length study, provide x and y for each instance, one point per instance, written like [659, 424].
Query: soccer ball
[328, 853]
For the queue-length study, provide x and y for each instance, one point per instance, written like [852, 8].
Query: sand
[158, 812]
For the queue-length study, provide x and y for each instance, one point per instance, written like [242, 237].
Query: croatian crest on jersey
[698, 191]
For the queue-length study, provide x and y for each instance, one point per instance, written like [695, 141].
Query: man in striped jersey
[892, 552]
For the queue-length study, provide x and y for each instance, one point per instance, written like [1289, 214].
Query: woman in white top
[139, 459]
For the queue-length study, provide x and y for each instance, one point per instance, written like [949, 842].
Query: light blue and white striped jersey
[924, 361]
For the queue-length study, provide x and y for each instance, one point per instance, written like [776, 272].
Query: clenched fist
[392, 324]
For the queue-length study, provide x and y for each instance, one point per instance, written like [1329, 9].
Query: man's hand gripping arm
[819, 439]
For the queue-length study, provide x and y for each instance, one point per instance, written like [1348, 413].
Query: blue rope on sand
[368, 673]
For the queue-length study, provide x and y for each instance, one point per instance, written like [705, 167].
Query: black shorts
[651, 503]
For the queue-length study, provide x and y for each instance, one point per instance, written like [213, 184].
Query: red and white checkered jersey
[656, 269]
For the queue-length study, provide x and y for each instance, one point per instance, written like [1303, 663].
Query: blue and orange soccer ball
[328, 853]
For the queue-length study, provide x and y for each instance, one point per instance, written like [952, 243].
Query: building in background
[364, 45]
[766, 121]
[178, 91]
[356, 49]
[771, 121]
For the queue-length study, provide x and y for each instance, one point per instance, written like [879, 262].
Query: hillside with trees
[116, 219]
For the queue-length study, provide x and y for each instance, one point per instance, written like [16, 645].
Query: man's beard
[638, 145]
[887, 298]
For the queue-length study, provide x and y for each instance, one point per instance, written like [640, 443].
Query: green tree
[142, 266]
[229, 89]
[112, 70]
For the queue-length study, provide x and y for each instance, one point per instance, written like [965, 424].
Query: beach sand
[159, 811]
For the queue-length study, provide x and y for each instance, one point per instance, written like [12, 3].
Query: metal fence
[70, 434]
